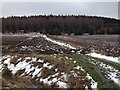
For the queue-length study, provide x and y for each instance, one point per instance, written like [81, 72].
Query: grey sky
[107, 9]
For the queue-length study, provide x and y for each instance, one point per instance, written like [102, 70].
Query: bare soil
[106, 44]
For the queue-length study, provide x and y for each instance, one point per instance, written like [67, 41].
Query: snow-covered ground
[109, 58]
[110, 72]
[59, 43]
[54, 79]
[93, 82]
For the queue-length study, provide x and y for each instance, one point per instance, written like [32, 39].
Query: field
[40, 61]
[106, 44]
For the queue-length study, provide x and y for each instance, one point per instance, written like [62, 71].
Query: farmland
[41, 61]
[106, 44]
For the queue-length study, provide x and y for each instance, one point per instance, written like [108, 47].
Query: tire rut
[106, 82]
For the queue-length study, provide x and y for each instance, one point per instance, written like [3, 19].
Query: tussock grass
[63, 65]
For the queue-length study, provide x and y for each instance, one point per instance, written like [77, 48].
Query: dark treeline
[57, 25]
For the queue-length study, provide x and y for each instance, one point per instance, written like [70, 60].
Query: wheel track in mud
[97, 70]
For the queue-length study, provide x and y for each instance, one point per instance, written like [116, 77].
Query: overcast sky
[106, 9]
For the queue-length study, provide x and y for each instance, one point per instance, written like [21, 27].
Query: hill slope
[61, 24]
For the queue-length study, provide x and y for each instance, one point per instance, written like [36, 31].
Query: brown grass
[63, 65]
[13, 60]
[46, 72]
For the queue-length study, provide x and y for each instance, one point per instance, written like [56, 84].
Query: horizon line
[100, 16]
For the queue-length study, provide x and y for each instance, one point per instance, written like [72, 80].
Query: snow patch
[112, 73]
[7, 61]
[74, 61]
[47, 65]
[55, 75]
[28, 69]
[20, 66]
[27, 57]
[37, 71]
[41, 61]
[114, 77]
[34, 59]
[58, 43]
[93, 83]
[109, 58]
[62, 84]
[65, 77]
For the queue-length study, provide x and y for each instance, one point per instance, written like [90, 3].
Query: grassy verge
[5, 46]
[81, 59]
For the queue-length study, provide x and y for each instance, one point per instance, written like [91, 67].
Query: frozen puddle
[109, 58]
[58, 43]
